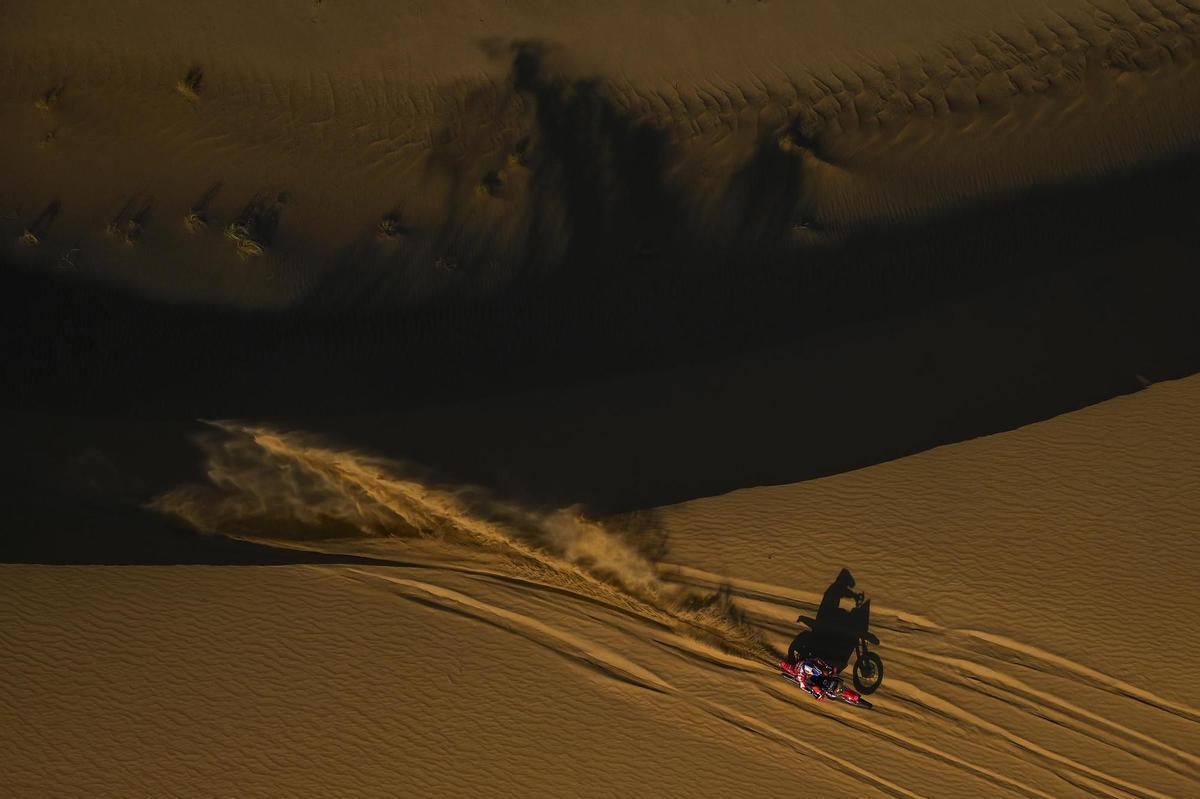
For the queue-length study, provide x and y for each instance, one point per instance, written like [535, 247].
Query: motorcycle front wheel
[868, 673]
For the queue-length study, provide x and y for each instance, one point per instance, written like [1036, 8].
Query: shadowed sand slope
[1022, 595]
[379, 207]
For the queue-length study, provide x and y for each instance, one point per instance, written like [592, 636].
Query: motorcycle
[832, 686]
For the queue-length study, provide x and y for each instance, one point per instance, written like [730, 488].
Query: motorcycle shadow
[837, 634]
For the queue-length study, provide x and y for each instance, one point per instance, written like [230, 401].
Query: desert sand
[445, 398]
[1031, 596]
[491, 143]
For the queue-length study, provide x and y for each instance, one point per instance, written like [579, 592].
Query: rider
[811, 674]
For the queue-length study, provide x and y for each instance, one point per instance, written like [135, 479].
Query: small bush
[191, 84]
[389, 226]
[195, 222]
[489, 185]
[243, 240]
[132, 232]
[50, 99]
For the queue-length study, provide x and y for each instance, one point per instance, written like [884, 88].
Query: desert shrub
[190, 85]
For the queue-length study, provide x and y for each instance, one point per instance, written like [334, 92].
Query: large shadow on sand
[73, 491]
[61, 531]
[605, 168]
[833, 635]
[649, 370]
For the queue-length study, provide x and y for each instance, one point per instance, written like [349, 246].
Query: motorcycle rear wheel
[868, 673]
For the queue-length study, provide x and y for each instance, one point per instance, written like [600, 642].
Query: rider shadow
[835, 634]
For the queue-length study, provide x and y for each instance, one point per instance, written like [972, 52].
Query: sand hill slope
[1028, 588]
[434, 148]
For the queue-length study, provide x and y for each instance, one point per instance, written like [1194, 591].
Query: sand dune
[449, 149]
[214, 693]
[1031, 647]
[377, 208]
[485, 291]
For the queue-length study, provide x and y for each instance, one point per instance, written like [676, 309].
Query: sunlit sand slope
[301, 681]
[1077, 534]
[1030, 592]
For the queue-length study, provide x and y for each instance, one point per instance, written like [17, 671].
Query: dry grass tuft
[36, 230]
[389, 226]
[196, 219]
[50, 99]
[244, 242]
[70, 259]
[190, 86]
[255, 227]
[195, 222]
[132, 232]
[518, 157]
[489, 185]
[129, 225]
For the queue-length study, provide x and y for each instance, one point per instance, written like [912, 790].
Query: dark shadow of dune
[651, 370]
[763, 195]
[46, 530]
[73, 492]
[595, 202]
[607, 168]
[924, 336]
